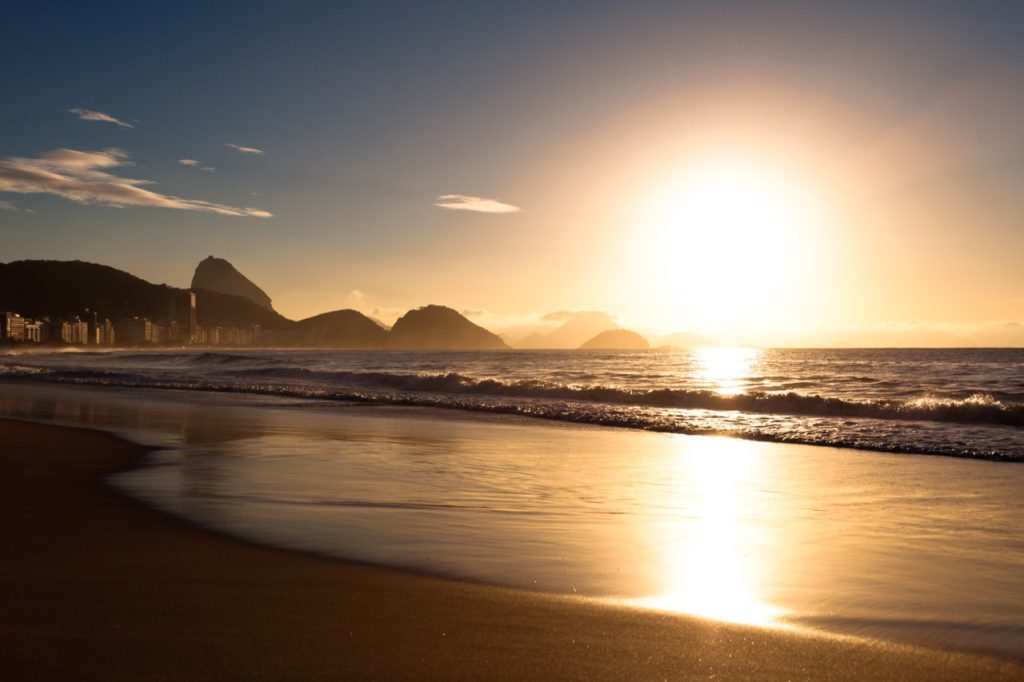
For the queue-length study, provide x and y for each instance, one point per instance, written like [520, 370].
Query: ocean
[960, 402]
[874, 493]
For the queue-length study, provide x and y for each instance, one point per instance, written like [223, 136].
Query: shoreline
[97, 585]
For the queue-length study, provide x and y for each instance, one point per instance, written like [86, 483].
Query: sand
[97, 586]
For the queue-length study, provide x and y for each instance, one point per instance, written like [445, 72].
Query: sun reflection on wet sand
[725, 370]
[711, 555]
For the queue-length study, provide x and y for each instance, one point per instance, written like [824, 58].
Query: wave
[978, 408]
[864, 424]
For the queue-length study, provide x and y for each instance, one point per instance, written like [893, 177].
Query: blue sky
[368, 112]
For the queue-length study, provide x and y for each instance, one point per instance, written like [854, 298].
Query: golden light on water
[710, 554]
[725, 370]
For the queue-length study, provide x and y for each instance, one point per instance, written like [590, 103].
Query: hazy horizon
[793, 175]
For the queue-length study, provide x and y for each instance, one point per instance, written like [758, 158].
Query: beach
[98, 586]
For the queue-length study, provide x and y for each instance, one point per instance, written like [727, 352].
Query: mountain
[45, 287]
[616, 339]
[214, 309]
[37, 287]
[438, 327]
[577, 328]
[342, 329]
[220, 276]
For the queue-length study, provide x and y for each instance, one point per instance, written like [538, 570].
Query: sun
[724, 239]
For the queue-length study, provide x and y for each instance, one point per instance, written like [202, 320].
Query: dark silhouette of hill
[36, 288]
[438, 327]
[213, 308]
[616, 339]
[220, 276]
[577, 327]
[342, 329]
[40, 287]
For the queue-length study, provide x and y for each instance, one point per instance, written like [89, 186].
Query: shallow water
[903, 547]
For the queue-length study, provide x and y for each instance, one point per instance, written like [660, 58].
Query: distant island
[616, 339]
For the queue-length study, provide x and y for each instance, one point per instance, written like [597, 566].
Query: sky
[774, 173]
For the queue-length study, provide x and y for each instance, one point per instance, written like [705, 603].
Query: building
[36, 331]
[183, 326]
[101, 332]
[74, 332]
[134, 330]
[12, 327]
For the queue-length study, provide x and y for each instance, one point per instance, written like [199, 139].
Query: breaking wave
[895, 415]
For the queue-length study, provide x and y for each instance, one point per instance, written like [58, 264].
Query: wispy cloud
[193, 163]
[7, 206]
[244, 150]
[462, 202]
[90, 115]
[84, 177]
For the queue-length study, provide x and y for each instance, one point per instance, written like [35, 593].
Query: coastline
[98, 586]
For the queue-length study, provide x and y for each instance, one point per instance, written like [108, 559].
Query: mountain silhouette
[220, 276]
[43, 287]
[48, 287]
[342, 329]
[616, 339]
[578, 326]
[438, 327]
[35, 288]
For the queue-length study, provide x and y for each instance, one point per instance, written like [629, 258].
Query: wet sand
[97, 586]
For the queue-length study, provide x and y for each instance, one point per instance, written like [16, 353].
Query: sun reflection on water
[725, 370]
[711, 552]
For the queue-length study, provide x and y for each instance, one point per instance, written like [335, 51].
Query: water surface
[897, 546]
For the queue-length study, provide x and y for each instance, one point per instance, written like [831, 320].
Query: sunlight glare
[723, 239]
[713, 561]
[725, 370]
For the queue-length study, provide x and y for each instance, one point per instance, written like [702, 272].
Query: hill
[41, 287]
[220, 276]
[342, 329]
[576, 328]
[46, 287]
[616, 339]
[438, 327]
[35, 288]
[214, 308]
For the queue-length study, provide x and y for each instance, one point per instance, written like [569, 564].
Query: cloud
[244, 150]
[83, 177]
[89, 115]
[193, 163]
[461, 202]
[7, 206]
[472, 312]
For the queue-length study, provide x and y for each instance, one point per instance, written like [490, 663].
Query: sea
[957, 402]
[868, 493]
